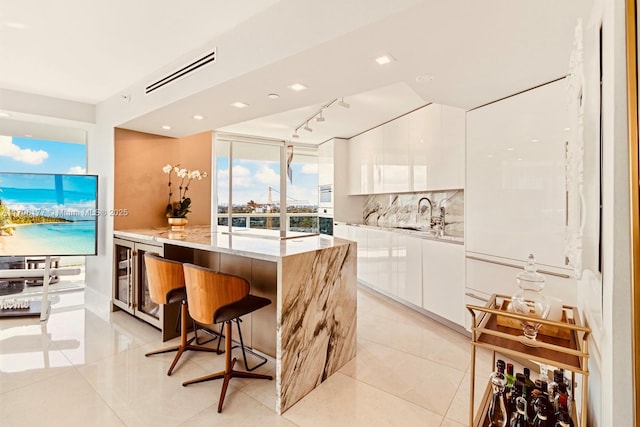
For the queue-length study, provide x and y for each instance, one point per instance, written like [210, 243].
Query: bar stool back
[166, 286]
[220, 298]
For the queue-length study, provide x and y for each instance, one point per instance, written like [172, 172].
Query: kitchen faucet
[439, 221]
[431, 223]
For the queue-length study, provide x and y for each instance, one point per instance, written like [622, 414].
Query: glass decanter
[529, 300]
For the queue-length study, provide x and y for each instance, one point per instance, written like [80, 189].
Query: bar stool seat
[216, 298]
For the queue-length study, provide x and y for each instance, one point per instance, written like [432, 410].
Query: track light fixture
[318, 116]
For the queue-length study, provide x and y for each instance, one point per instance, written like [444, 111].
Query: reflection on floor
[78, 369]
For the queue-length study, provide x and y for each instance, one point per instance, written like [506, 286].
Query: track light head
[343, 104]
[319, 117]
[307, 128]
[295, 134]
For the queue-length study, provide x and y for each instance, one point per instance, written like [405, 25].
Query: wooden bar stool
[220, 298]
[166, 286]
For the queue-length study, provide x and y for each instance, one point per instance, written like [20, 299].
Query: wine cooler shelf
[562, 344]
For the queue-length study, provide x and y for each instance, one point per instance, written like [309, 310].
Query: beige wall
[140, 186]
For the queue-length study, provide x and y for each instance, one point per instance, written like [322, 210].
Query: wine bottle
[497, 412]
[510, 376]
[520, 416]
[562, 398]
[531, 393]
[553, 387]
[544, 416]
[563, 419]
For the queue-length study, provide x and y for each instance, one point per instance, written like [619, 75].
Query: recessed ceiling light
[535, 140]
[510, 149]
[238, 104]
[384, 59]
[166, 127]
[567, 128]
[198, 117]
[489, 155]
[28, 135]
[2, 114]
[297, 87]
[519, 158]
[273, 96]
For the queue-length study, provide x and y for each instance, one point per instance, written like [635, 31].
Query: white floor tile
[81, 369]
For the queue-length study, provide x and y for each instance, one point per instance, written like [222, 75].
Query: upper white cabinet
[420, 151]
[325, 163]
[436, 144]
[425, 134]
[449, 173]
[365, 162]
[515, 186]
[395, 155]
[333, 167]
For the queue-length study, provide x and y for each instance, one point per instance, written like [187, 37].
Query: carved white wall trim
[574, 166]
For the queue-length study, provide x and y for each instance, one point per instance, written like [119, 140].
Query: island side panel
[317, 319]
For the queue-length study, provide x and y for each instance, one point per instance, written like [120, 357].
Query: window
[249, 181]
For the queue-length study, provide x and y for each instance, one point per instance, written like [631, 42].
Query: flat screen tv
[48, 214]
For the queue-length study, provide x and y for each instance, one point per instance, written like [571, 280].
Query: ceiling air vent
[182, 72]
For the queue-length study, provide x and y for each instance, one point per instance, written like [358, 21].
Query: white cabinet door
[359, 235]
[407, 268]
[365, 162]
[443, 282]
[425, 134]
[358, 171]
[395, 156]
[515, 185]
[374, 140]
[325, 163]
[342, 230]
[379, 260]
[448, 173]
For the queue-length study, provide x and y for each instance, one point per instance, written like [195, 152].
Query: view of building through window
[255, 180]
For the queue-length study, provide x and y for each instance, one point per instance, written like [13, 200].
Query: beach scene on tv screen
[47, 214]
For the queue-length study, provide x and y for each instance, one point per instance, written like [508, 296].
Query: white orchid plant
[180, 208]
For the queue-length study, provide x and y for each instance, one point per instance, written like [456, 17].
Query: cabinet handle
[478, 297]
[519, 267]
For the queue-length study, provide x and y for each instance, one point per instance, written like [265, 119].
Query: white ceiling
[476, 52]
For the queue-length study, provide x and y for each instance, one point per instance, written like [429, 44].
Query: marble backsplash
[401, 210]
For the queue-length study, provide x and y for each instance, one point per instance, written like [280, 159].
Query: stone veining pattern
[401, 210]
[316, 319]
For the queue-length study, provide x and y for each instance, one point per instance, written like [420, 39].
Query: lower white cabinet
[406, 271]
[443, 280]
[425, 273]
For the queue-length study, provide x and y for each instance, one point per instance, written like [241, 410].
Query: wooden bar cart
[562, 344]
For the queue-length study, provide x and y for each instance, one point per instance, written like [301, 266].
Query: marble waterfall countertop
[256, 244]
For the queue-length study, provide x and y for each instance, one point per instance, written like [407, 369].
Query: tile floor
[78, 369]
